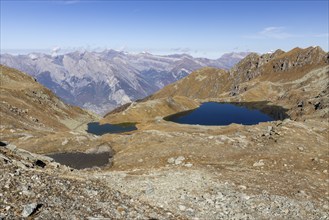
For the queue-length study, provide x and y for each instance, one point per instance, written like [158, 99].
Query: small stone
[300, 148]
[149, 190]
[171, 160]
[325, 171]
[182, 207]
[30, 209]
[220, 196]
[269, 128]
[242, 187]
[302, 193]
[158, 119]
[285, 211]
[17, 172]
[259, 163]
[190, 211]
[140, 160]
[210, 202]
[244, 197]
[317, 105]
[65, 142]
[179, 160]
[315, 159]
[188, 165]
[300, 104]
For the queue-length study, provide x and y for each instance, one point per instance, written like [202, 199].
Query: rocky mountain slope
[35, 119]
[165, 170]
[36, 187]
[25, 104]
[296, 80]
[101, 81]
[268, 164]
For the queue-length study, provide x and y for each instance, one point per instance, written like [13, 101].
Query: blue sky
[200, 28]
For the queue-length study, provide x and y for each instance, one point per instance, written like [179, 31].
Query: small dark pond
[96, 128]
[213, 113]
[80, 160]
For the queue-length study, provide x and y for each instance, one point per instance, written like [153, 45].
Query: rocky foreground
[35, 186]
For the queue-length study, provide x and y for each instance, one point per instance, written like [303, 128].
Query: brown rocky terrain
[33, 118]
[30, 106]
[36, 187]
[284, 158]
[272, 170]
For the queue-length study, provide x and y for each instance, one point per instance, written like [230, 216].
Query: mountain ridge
[33, 106]
[101, 81]
[250, 78]
[277, 168]
[35, 119]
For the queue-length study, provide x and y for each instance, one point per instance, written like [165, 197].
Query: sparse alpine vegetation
[165, 170]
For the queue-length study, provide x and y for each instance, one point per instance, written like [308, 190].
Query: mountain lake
[213, 113]
[98, 129]
[78, 160]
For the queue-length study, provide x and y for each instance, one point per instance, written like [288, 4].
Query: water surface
[96, 128]
[80, 160]
[213, 113]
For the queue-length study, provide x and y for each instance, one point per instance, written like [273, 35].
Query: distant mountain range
[102, 81]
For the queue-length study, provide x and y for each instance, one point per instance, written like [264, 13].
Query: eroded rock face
[255, 65]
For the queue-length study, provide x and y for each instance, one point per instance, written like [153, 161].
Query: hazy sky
[200, 28]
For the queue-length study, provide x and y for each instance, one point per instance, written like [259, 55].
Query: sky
[199, 28]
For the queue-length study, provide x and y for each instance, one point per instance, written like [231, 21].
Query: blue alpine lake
[213, 113]
[96, 128]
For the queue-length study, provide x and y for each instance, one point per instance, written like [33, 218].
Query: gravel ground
[200, 194]
[34, 186]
